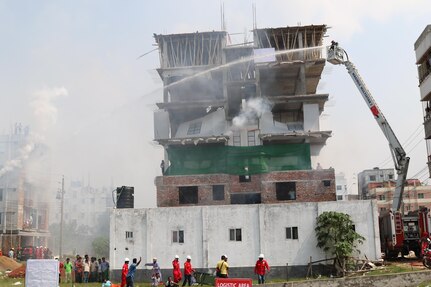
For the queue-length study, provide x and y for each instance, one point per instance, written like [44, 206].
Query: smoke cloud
[45, 114]
[251, 111]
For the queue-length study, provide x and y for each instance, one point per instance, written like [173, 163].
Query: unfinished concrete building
[240, 123]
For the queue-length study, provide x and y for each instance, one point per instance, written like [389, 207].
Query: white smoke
[45, 114]
[251, 111]
[44, 110]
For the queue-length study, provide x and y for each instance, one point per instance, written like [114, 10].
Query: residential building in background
[371, 178]
[24, 208]
[85, 205]
[416, 196]
[423, 61]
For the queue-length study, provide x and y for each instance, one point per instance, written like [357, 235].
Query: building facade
[240, 123]
[371, 178]
[283, 232]
[85, 205]
[423, 61]
[416, 196]
[24, 208]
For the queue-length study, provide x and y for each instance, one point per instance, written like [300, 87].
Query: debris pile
[8, 264]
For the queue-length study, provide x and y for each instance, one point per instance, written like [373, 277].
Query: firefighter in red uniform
[124, 272]
[188, 270]
[177, 271]
[260, 269]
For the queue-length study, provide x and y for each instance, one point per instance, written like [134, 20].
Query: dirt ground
[8, 264]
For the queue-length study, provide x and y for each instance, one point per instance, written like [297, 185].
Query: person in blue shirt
[131, 274]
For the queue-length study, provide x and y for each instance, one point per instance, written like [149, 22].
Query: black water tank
[125, 197]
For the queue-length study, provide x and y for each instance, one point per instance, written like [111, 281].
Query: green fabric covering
[187, 160]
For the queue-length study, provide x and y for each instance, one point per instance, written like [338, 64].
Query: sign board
[41, 273]
[233, 282]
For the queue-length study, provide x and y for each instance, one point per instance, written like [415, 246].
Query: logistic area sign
[233, 282]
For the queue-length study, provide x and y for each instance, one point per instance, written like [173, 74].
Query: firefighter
[177, 271]
[124, 272]
[260, 269]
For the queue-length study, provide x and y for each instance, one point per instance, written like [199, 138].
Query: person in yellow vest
[222, 267]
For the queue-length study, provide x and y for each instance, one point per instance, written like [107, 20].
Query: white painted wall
[206, 233]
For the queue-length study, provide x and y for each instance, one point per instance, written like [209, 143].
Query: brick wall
[310, 187]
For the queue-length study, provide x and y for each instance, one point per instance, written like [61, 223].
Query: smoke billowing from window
[251, 111]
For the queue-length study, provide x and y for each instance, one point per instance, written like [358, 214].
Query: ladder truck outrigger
[398, 232]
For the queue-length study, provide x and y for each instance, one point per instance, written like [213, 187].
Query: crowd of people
[222, 271]
[85, 270]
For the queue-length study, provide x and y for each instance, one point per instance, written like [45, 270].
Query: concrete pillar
[301, 88]
[311, 117]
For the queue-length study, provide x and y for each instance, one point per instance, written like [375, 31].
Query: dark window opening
[235, 234]
[218, 192]
[194, 128]
[285, 190]
[188, 194]
[245, 198]
[245, 178]
[326, 183]
[178, 236]
[291, 232]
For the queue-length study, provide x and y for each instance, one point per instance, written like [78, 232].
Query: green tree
[336, 235]
[101, 247]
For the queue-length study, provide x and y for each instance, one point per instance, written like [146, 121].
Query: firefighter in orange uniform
[124, 272]
[177, 271]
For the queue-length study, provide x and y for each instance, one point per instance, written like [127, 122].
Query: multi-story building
[240, 124]
[371, 178]
[416, 196]
[240, 129]
[24, 209]
[423, 61]
[341, 187]
[85, 205]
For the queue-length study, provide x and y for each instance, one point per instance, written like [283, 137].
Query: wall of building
[310, 186]
[414, 197]
[207, 233]
[371, 176]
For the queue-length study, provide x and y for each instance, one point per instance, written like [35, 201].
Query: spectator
[68, 270]
[86, 270]
[188, 270]
[170, 283]
[11, 253]
[78, 269]
[222, 267]
[104, 266]
[106, 283]
[99, 271]
[130, 278]
[260, 269]
[124, 272]
[177, 271]
[156, 274]
[94, 269]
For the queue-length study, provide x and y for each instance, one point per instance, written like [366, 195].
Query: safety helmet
[261, 255]
[126, 259]
[189, 257]
[177, 257]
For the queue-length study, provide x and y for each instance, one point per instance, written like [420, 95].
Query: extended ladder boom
[335, 55]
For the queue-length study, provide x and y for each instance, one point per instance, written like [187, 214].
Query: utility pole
[61, 218]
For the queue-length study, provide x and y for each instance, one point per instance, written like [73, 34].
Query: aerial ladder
[336, 56]
[398, 232]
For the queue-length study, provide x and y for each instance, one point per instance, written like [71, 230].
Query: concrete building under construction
[240, 123]
[240, 128]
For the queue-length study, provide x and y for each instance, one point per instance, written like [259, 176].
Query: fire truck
[398, 232]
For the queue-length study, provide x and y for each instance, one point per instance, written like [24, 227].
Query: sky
[70, 70]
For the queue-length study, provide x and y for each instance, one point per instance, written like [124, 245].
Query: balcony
[425, 88]
[427, 125]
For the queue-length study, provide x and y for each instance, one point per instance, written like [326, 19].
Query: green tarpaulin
[187, 160]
